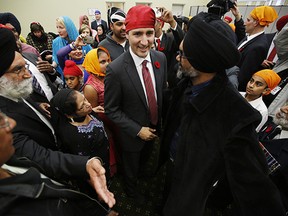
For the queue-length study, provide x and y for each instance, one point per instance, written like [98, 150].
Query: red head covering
[140, 16]
[281, 22]
[229, 19]
[72, 69]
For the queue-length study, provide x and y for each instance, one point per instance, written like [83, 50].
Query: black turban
[7, 49]
[10, 18]
[207, 49]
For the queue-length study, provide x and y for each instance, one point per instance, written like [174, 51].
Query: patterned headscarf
[91, 61]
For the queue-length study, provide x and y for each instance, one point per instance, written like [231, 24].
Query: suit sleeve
[178, 35]
[55, 163]
[112, 103]
[247, 176]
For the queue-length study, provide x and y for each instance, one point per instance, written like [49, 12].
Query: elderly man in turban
[133, 97]
[211, 132]
[34, 136]
[255, 46]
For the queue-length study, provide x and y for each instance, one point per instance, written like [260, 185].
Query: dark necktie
[37, 86]
[152, 103]
[272, 54]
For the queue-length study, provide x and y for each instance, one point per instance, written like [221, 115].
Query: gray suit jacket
[125, 101]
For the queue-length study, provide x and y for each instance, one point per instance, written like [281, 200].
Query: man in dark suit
[227, 151]
[133, 105]
[254, 47]
[168, 43]
[272, 57]
[99, 21]
[34, 136]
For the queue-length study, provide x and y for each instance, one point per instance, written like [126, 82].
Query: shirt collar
[161, 36]
[138, 60]
[250, 37]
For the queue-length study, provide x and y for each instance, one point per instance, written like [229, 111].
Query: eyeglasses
[4, 123]
[182, 55]
[20, 70]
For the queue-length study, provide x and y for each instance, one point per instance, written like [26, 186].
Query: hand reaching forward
[98, 181]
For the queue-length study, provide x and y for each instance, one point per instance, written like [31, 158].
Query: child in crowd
[261, 83]
[73, 76]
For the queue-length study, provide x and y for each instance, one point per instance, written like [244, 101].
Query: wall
[46, 12]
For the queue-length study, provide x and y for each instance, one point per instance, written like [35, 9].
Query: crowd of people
[83, 105]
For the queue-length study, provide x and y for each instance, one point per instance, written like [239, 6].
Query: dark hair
[35, 26]
[100, 25]
[99, 51]
[65, 102]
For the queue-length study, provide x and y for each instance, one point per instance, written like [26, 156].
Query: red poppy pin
[157, 64]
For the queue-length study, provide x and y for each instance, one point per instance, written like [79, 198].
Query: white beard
[191, 72]
[282, 121]
[15, 91]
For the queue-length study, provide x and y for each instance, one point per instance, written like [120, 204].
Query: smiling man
[133, 94]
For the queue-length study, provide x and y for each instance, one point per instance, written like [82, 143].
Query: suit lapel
[133, 74]
[20, 107]
[157, 73]
[248, 43]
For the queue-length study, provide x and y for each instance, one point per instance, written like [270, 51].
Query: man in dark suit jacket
[34, 136]
[254, 48]
[22, 183]
[126, 94]
[99, 21]
[168, 43]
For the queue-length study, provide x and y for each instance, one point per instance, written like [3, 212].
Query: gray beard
[282, 121]
[15, 91]
[192, 72]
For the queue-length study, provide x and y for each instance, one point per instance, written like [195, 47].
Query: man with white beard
[281, 118]
[34, 137]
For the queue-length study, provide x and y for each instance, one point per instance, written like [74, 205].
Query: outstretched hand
[98, 181]
[98, 109]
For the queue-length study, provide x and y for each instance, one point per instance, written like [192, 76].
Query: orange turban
[271, 78]
[264, 15]
[91, 61]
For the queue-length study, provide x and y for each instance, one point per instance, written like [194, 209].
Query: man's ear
[111, 25]
[266, 91]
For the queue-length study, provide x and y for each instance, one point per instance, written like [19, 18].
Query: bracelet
[54, 71]
[72, 45]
